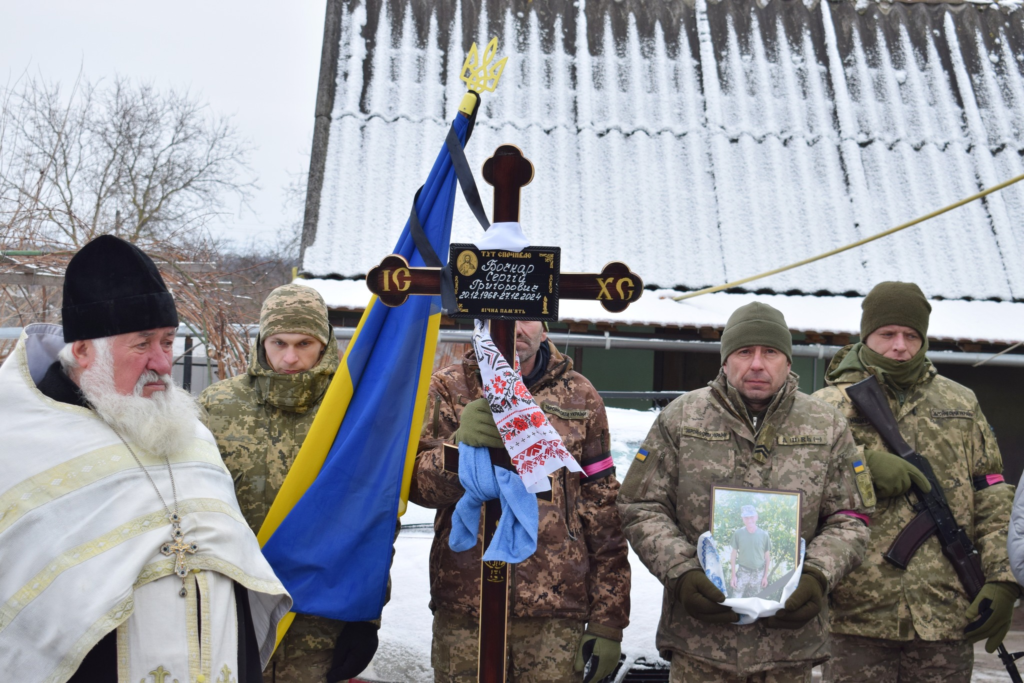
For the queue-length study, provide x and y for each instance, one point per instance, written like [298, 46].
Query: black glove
[356, 646]
[804, 604]
[702, 600]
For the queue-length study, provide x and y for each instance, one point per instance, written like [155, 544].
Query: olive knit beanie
[295, 309]
[757, 324]
[895, 303]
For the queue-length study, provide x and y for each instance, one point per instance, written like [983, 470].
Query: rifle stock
[870, 401]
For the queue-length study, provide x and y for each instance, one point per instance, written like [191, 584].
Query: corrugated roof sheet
[700, 143]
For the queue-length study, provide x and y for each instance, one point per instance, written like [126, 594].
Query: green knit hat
[757, 324]
[294, 309]
[895, 303]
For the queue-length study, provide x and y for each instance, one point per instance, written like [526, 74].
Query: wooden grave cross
[502, 301]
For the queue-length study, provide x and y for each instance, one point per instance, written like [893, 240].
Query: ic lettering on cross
[534, 296]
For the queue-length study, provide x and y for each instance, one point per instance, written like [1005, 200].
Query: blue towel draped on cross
[515, 539]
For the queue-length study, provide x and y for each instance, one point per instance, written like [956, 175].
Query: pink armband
[862, 517]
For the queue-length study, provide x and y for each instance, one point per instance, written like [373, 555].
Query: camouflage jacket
[705, 438]
[580, 570]
[943, 421]
[260, 420]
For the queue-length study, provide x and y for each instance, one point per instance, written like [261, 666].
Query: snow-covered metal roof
[699, 143]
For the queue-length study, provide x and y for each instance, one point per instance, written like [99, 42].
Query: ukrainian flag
[329, 533]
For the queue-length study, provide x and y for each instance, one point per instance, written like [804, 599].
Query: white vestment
[81, 531]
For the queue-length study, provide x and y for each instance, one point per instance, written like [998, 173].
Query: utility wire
[858, 243]
[1006, 350]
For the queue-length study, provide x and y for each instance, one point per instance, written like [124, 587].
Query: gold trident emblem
[482, 76]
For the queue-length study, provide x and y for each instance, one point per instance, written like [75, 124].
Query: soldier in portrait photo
[918, 623]
[749, 428]
[569, 601]
[751, 557]
[260, 419]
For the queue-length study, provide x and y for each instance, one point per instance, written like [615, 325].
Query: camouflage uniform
[260, 420]
[706, 439]
[688, 670]
[580, 572]
[748, 582]
[943, 421]
[540, 650]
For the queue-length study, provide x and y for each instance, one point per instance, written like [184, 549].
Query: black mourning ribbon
[472, 195]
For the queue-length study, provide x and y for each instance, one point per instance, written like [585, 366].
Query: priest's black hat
[111, 287]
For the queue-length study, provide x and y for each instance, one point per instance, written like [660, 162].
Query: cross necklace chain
[178, 545]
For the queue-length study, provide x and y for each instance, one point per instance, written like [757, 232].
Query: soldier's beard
[162, 425]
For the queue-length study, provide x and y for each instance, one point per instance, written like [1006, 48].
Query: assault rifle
[934, 515]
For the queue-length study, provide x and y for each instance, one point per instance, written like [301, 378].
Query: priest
[125, 556]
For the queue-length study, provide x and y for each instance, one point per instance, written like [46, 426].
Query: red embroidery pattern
[534, 446]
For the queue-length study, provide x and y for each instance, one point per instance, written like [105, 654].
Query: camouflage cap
[295, 309]
[748, 511]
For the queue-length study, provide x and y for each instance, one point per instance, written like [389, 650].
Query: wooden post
[508, 171]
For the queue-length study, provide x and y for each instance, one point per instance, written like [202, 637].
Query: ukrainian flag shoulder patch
[641, 455]
[863, 480]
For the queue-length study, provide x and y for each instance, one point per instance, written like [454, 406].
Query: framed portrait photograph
[757, 534]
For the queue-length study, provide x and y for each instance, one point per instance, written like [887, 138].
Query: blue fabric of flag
[333, 550]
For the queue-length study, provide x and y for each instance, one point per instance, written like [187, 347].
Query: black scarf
[58, 386]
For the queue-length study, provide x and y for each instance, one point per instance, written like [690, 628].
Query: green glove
[597, 657]
[805, 602]
[476, 426]
[892, 475]
[995, 605]
[702, 600]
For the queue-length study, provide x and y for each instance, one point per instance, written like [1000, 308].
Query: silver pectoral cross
[179, 546]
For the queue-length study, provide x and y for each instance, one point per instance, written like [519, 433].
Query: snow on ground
[404, 653]
[628, 430]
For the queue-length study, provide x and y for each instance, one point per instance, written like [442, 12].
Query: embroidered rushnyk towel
[535, 448]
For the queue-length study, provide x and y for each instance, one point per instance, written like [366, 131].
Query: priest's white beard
[163, 424]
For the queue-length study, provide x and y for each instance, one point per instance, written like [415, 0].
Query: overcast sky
[257, 61]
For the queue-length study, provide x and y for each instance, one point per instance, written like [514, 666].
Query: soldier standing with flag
[750, 428]
[918, 624]
[570, 599]
[260, 420]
